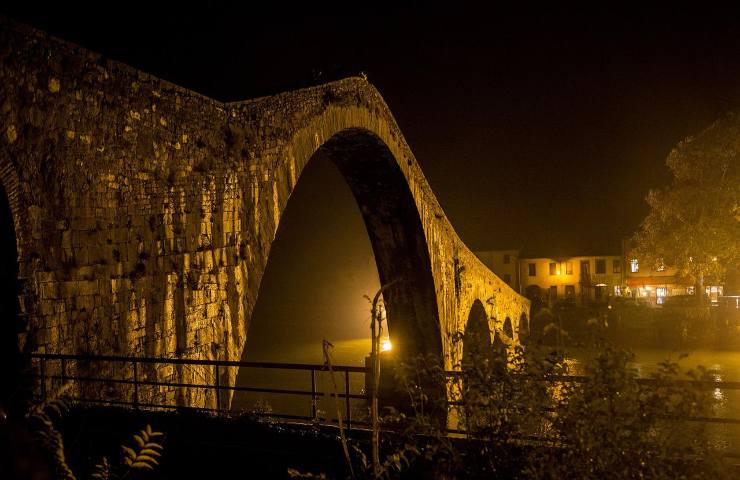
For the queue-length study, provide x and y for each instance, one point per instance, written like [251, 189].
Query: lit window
[714, 292]
[569, 268]
[634, 266]
[532, 269]
[553, 268]
[660, 294]
[616, 266]
[617, 291]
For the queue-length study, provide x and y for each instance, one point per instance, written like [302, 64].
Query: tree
[694, 223]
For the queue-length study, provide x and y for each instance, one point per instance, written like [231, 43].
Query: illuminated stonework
[145, 212]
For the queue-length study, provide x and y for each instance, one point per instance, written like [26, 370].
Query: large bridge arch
[395, 232]
[150, 209]
[12, 327]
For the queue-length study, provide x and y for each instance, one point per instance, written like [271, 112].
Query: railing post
[313, 394]
[218, 390]
[348, 413]
[43, 378]
[136, 384]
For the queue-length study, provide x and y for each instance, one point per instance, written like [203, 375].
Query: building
[653, 286]
[593, 279]
[505, 264]
[582, 279]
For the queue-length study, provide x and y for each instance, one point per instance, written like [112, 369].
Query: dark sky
[543, 130]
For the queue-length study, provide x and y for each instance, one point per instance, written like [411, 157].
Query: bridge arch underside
[477, 337]
[397, 238]
[10, 327]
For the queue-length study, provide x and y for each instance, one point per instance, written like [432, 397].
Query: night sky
[543, 131]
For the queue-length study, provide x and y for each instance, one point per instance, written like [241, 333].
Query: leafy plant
[144, 455]
[41, 425]
[293, 473]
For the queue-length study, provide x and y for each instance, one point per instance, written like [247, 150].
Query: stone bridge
[144, 212]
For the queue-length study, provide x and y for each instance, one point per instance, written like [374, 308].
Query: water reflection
[718, 395]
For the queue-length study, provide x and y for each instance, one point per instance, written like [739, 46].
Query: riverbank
[637, 326]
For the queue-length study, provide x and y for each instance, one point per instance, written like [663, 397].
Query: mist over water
[320, 267]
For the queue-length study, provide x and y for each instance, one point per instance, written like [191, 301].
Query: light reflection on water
[718, 395]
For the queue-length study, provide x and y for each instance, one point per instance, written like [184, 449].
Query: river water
[349, 352]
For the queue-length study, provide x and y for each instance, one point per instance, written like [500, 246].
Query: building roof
[556, 255]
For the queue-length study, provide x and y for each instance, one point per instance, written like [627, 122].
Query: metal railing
[44, 364]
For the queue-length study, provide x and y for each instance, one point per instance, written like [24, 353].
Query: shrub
[524, 417]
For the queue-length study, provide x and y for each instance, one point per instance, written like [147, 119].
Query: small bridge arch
[476, 339]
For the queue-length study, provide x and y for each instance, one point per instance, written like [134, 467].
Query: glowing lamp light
[386, 345]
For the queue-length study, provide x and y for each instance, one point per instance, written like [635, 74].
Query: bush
[524, 417]
[45, 456]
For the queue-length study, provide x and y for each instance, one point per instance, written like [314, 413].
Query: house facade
[597, 278]
[655, 285]
[580, 279]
